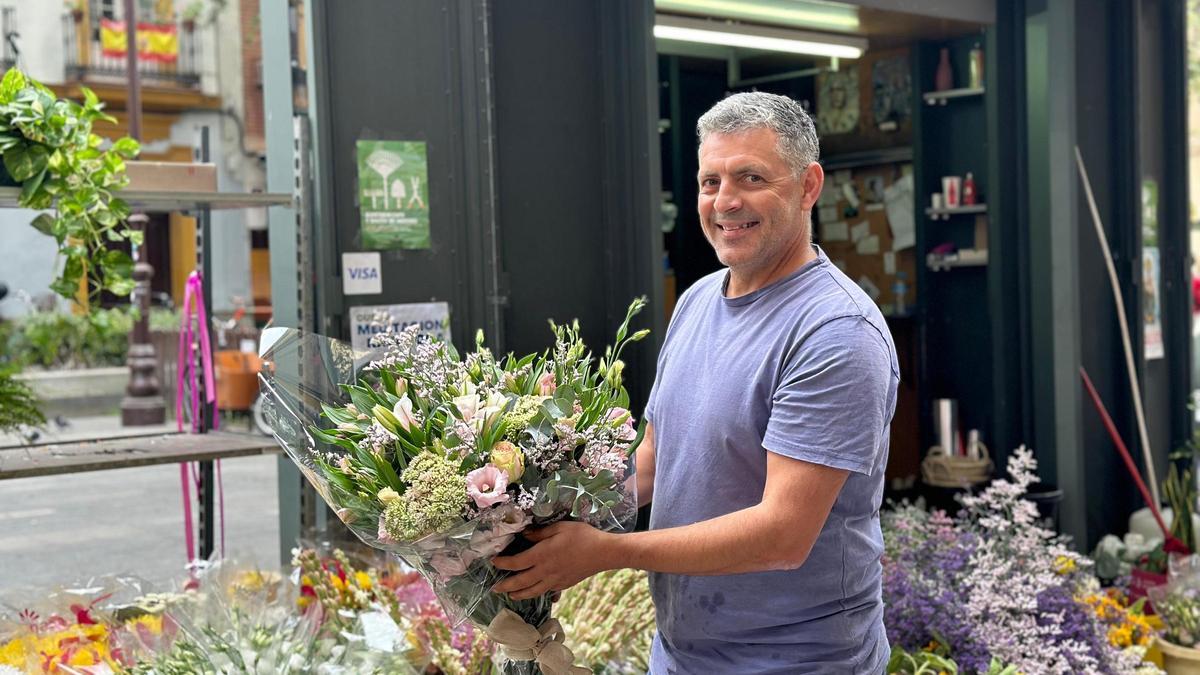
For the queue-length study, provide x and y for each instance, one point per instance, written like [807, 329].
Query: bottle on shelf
[968, 190]
[975, 67]
[944, 78]
[899, 289]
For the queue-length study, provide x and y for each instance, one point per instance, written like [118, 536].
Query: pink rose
[626, 432]
[487, 486]
[546, 385]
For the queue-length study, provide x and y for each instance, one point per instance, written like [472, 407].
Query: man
[767, 436]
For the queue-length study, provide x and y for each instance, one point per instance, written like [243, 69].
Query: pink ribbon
[193, 298]
[193, 294]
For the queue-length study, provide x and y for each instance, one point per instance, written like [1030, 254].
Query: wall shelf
[944, 97]
[165, 201]
[967, 257]
[945, 213]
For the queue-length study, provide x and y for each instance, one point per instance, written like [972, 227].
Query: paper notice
[827, 214]
[860, 231]
[889, 262]
[898, 198]
[868, 245]
[838, 231]
[850, 192]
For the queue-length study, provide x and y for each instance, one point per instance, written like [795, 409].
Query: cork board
[856, 255]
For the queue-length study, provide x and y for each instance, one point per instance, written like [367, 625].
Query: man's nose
[728, 199]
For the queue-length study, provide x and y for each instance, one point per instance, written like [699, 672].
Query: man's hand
[564, 554]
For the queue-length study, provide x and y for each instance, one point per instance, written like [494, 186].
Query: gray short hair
[798, 143]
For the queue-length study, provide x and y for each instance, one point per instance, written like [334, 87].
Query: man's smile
[731, 226]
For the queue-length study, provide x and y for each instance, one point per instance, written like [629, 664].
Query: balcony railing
[94, 50]
[8, 37]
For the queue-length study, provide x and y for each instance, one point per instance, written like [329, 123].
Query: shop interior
[901, 106]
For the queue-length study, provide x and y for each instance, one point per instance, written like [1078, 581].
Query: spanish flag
[156, 41]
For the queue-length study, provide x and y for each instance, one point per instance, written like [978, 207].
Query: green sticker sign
[393, 180]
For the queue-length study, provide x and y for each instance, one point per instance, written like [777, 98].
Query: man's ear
[813, 180]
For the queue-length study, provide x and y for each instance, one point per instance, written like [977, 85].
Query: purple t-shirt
[804, 368]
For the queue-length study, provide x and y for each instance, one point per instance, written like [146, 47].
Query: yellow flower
[12, 653]
[1064, 564]
[1120, 636]
[150, 622]
[337, 582]
[363, 579]
[387, 495]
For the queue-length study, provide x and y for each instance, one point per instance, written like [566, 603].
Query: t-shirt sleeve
[835, 397]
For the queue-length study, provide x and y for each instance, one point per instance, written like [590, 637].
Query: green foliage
[49, 149]
[53, 339]
[935, 660]
[18, 405]
[1180, 492]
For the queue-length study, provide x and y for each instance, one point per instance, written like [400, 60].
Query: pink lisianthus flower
[451, 564]
[509, 519]
[487, 486]
[488, 543]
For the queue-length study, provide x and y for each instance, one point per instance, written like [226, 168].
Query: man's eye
[708, 182]
[753, 178]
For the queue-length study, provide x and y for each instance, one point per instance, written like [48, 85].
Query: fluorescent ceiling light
[667, 27]
[811, 14]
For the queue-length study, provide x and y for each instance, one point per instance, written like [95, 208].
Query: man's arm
[644, 462]
[777, 533]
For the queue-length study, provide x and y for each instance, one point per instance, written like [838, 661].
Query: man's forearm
[751, 540]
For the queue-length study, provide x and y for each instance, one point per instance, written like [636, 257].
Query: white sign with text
[362, 273]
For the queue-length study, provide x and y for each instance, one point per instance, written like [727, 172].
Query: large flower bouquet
[990, 586]
[444, 460]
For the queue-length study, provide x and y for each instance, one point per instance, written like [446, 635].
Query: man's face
[752, 209]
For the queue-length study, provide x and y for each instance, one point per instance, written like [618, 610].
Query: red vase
[944, 78]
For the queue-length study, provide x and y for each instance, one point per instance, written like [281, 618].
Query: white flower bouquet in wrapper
[444, 460]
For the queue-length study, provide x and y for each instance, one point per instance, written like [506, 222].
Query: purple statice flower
[991, 583]
[1074, 626]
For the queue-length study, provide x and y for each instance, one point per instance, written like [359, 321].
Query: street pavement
[62, 530]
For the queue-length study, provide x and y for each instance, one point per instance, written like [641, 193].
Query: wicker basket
[951, 471]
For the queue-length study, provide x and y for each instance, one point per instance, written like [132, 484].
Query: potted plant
[1178, 605]
[76, 7]
[49, 150]
[19, 407]
[191, 14]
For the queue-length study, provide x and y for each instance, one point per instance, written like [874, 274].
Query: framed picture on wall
[837, 102]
